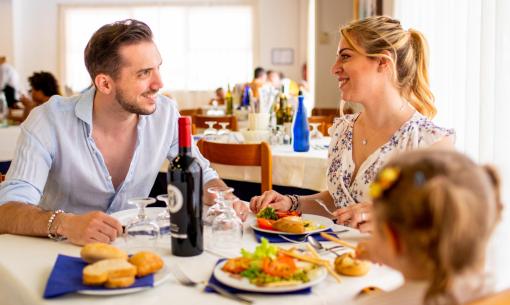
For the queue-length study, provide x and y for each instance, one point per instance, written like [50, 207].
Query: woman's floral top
[417, 132]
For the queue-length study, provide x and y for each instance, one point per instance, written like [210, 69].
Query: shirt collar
[83, 109]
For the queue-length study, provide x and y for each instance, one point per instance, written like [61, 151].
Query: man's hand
[272, 199]
[357, 216]
[90, 227]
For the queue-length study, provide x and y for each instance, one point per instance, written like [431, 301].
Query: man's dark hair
[45, 82]
[102, 51]
[259, 71]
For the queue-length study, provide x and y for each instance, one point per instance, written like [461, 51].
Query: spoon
[322, 204]
[318, 246]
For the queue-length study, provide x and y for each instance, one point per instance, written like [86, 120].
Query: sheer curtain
[469, 71]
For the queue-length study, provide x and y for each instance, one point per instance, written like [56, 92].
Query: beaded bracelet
[295, 202]
[55, 236]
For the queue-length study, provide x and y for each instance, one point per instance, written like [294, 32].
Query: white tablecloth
[26, 262]
[8, 138]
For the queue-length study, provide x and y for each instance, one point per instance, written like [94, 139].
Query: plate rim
[253, 225]
[164, 275]
[258, 289]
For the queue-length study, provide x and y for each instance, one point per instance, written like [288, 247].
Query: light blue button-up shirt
[58, 166]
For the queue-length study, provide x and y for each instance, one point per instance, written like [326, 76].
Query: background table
[26, 262]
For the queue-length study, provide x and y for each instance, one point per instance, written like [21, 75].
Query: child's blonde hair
[444, 208]
[409, 56]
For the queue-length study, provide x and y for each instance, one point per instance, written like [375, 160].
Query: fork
[303, 238]
[322, 204]
[186, 281]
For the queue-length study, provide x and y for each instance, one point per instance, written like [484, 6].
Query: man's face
[139, 79]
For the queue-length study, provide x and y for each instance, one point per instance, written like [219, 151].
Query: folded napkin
[275, 238]
[213, 280]
[66, 277]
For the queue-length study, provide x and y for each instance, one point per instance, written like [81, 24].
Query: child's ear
[393, 239]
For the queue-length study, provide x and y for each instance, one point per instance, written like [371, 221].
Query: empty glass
[210, 132]
[315, 133]
[227, 228]
[163, 218]
[218, 207]
[223, 130]
[141, 233]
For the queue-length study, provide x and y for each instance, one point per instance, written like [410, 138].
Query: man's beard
[131, 106]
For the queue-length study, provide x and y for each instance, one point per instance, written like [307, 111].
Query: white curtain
[470, 76]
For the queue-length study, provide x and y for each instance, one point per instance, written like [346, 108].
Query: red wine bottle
[185, 197]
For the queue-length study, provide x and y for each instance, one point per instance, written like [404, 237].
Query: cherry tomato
[282, 266]
[266, 224]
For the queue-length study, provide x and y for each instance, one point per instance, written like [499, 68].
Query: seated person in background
[259, 80]
[273, 79]
[81, 157]
[389, 78]
[219, 97]
[9, 82]
[434, 212]
[43, 85]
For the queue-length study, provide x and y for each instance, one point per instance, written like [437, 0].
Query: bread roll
[100, 272]
[347, 264]
[94, 252]
[291, 224]
[120, 282]
[146, 262]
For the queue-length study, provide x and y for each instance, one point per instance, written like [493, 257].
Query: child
[434, 212]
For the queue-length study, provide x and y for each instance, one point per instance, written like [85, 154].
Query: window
[203, 47]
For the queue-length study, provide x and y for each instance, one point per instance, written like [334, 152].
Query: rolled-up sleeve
[28, 172]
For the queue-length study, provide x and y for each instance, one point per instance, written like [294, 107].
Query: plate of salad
[289, 222]
[268, 270]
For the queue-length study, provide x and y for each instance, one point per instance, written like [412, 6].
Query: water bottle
[4, 110]
[300, 129]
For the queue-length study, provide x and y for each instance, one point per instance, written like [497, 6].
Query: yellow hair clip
[384, 181]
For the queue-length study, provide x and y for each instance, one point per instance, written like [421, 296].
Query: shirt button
[109, 177]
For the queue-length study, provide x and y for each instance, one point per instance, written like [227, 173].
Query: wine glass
[223, 130]
[315, 133]
[218, 207]
[163, 218]
[227, 228]
[210, 132]
[141, 233]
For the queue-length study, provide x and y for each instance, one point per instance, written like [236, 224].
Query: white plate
[318, 275]
[316, 219]
[159, 277]
[126, 215]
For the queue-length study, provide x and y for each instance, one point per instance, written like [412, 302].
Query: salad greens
[268, 213]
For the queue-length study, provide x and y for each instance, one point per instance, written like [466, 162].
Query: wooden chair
[325, 122]
[500, 298]
[241, 155]
[2, 177]
[335, 112]
[199, 121]
[190, 112]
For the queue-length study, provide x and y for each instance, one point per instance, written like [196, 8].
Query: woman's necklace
[364, 140]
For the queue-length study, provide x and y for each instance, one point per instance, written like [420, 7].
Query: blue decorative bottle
[300, 129]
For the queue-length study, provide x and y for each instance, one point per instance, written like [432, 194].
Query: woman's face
[358, 75]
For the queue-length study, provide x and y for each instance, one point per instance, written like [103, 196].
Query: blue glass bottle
[300, 129]
[245, 102]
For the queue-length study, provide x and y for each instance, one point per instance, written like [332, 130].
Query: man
[87, 155]
[259, 80]
[43, 85]
[9, 82]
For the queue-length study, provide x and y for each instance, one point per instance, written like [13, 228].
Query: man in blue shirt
[87, 155]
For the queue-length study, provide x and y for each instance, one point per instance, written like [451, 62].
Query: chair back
[241, 155]
[199, 121]
[2, 177]
[499, 298]
[190, 112]
[335, 112]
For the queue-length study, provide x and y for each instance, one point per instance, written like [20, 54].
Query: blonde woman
[434, 212]
[384, 68]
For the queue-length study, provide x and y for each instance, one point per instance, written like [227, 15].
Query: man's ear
[393, 238]
[104, 83]
[384, 61]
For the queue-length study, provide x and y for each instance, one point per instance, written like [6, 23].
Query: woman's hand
[242, 209]
[357, 216]
[272, 199]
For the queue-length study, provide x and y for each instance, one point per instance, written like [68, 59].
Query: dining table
[26, 263]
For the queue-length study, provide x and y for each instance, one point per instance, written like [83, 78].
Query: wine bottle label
[175, 200]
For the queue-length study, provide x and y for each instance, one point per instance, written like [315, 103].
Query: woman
[43, 85]
[384, 68]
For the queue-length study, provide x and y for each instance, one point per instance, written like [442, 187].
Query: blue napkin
[213, 280]
[274, 238]
[66, 277]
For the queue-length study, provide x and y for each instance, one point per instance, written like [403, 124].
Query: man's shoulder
[53, 111]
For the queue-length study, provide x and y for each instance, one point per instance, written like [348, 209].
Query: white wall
[33, 41]
[330, 15]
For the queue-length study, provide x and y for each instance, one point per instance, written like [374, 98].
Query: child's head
[434, 212]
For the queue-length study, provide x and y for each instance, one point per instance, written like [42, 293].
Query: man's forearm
[23, 219]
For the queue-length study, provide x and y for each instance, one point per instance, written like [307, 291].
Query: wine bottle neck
[184, 150]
